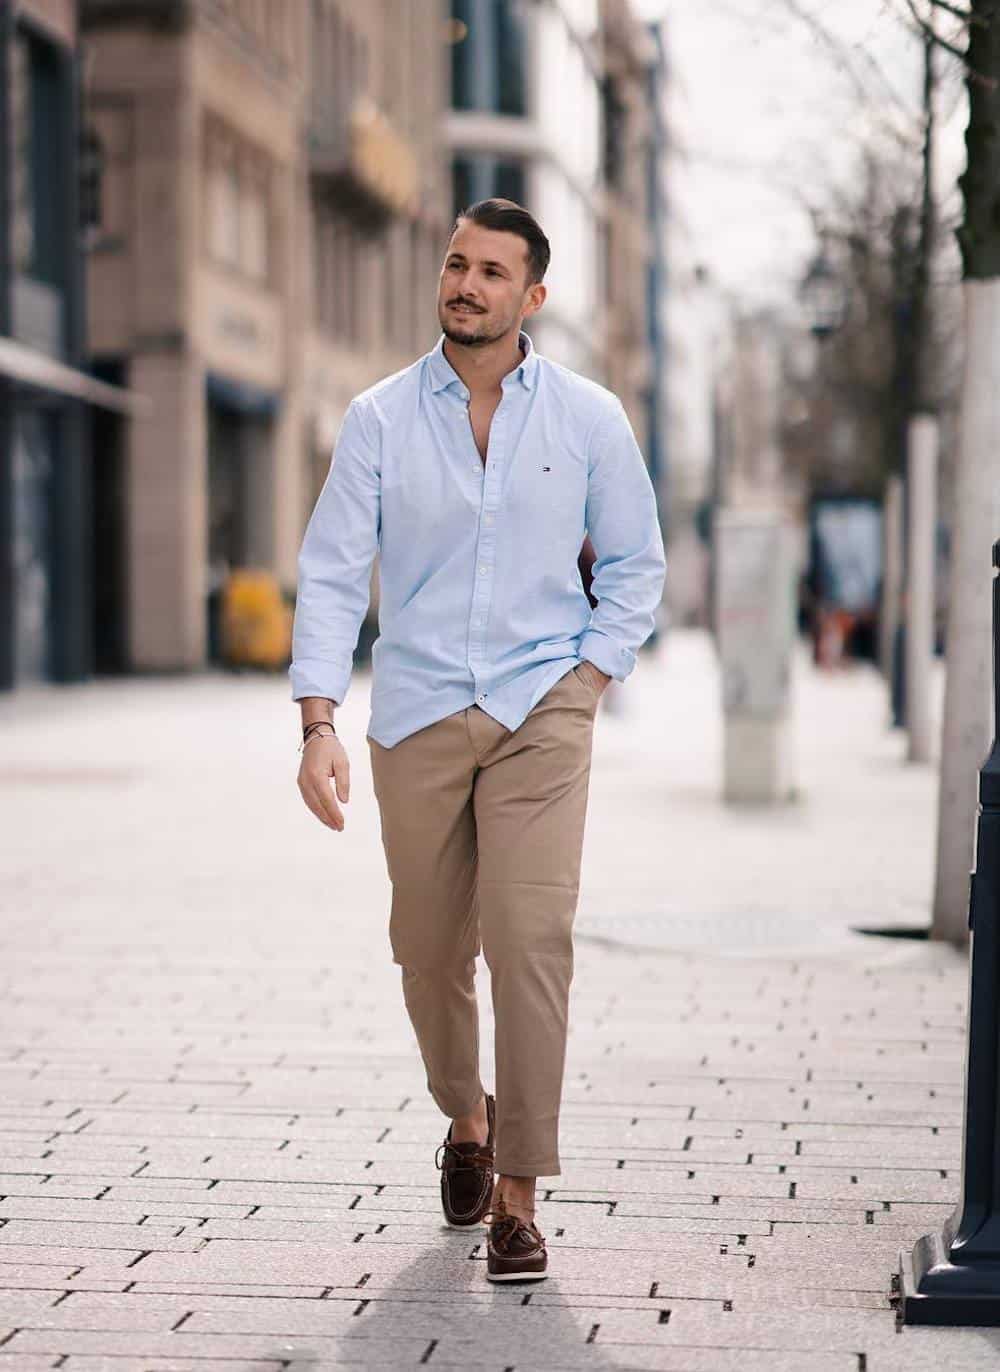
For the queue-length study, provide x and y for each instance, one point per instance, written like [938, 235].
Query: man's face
[483, 292]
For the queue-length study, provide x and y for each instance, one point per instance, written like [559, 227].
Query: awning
[36, 369]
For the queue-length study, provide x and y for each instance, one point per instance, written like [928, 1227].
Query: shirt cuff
[318, 678]
[606, 655]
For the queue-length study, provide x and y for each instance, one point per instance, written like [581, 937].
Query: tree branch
[966, 16]
[845, 58]
[930, 33]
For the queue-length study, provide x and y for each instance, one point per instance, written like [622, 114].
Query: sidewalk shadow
[480, 1324]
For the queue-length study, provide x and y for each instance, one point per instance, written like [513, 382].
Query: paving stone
[155, 1234]
[16, 1306]
[84, 1363]
[99, 1262]
[24, 1184]
[107, 1343]
[238, 1290]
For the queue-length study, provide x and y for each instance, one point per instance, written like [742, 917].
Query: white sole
[516, 1276]
[465, 1228]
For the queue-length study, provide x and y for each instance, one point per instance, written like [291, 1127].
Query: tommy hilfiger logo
[546, 469]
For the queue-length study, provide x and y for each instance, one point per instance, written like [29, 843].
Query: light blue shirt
[480, 596]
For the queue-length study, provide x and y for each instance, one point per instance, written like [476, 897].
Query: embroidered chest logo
[546, 469]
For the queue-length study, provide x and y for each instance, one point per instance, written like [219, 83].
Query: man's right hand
[322, 759]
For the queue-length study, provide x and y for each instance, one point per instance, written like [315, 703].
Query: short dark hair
[509, 217]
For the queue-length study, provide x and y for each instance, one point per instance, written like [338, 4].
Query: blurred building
[47, 606]
[658, 280]
[265, 228]
[517, 69]
[592, 180]
[263, 192]
[628, 194]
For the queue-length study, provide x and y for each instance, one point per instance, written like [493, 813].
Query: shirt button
[482, 697]
[483, 571]
[489, 519]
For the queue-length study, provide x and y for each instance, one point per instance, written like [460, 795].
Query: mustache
[468, 305]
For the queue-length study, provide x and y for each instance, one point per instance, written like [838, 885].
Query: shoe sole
[465, 1228]
[516, 1276]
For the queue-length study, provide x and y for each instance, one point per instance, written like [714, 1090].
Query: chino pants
[483, 834]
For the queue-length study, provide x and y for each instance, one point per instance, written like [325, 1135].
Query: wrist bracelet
[306, 741]
[311, 731]
[316, 724]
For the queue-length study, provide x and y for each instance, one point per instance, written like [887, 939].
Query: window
[238, 198]
[509, 181]
[613, 116]
[480, 176]
[253, 226]
[488, 56]
[23, 219]
[224, 214]
[91, 183]
[509, 49]
[339, 263]
[37, 184]
[463, 189]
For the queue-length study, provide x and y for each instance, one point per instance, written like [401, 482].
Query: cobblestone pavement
[215, 1140]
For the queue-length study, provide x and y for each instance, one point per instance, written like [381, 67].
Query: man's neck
[483, 369]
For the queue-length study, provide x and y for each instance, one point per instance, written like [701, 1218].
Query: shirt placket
[485, 566]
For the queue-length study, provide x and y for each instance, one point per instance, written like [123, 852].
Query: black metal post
[7, 589]
[952, 1277]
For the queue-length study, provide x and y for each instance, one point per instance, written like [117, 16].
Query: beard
[472, 331]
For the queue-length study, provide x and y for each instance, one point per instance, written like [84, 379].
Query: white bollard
[755, 587]
[922, 453]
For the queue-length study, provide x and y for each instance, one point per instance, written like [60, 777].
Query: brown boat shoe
[515, 1250]
[467, 1176]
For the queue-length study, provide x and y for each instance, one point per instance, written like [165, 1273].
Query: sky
[768, 119]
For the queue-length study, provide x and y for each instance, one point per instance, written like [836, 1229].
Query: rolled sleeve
[624, 528]
[334, 565]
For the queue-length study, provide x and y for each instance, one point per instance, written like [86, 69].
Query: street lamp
[823, 294]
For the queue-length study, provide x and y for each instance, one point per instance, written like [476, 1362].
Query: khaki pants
[483, 835]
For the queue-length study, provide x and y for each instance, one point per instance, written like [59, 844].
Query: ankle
[517, 1195]
[473, 1127]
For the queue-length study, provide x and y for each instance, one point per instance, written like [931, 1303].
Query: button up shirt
[480, 596]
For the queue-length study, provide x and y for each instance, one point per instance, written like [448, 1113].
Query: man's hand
[322, 759]
[599, 678]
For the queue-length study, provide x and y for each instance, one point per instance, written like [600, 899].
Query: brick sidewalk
[215, 1141]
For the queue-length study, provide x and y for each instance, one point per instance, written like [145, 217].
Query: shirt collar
[443, 374]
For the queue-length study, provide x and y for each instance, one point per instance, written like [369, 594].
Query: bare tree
[965, 734]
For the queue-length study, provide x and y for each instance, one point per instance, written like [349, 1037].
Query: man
[475, 472]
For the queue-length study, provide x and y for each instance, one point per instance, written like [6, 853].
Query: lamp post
[952, 1276]
[823, 294]
[824, 299]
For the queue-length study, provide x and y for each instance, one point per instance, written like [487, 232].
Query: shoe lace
[481, 1158]
[504, 1228]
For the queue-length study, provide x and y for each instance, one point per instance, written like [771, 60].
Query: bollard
[952, 1277]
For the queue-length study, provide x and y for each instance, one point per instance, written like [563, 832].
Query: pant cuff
[464, 1108]
[548, 1168]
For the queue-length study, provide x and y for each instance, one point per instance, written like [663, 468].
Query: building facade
[628, 205]
[49, 560]
[263, 236]
[516, 69]
[263, 193]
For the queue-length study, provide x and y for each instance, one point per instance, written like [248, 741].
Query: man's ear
[536, 298]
